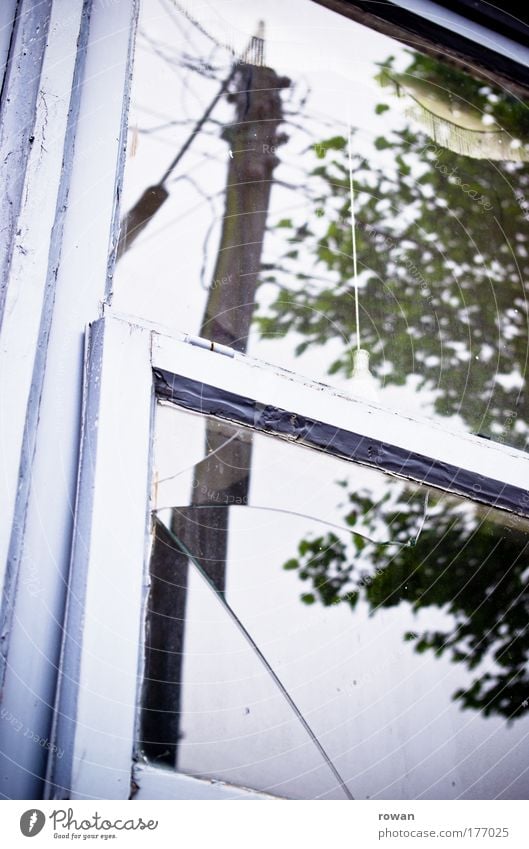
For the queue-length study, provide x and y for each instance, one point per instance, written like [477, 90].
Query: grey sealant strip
[212, 401]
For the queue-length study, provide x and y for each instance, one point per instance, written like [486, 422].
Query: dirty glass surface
[237, 214]
[316, 629]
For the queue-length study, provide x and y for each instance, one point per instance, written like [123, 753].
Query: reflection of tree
[473, 568]
[443, 248]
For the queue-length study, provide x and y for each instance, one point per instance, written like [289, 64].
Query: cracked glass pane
[317, 629]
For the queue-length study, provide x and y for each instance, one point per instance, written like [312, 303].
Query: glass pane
[238, 206]
[318, 629]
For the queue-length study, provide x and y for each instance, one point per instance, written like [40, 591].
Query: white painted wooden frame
[97, 712]
[7, 21]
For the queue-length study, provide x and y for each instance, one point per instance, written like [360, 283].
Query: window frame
[129, 367]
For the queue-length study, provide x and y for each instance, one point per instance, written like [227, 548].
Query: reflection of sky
[383, 712]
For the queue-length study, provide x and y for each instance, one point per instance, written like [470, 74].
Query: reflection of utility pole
[222, 478]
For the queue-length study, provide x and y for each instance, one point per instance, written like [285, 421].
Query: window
[239, 213]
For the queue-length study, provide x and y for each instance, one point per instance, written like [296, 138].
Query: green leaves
[485, 598]
[323, 562]
[382, 143]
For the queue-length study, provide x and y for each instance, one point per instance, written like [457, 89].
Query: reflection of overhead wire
[190, 210]
[249, 639]
[253, 54]
[155, 196]
[362, 381]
